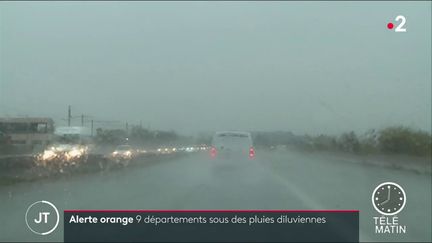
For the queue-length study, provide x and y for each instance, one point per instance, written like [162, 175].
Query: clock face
[388, 198]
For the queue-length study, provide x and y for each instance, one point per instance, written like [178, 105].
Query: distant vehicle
[123, 152]
[232, 144]
[65, 153]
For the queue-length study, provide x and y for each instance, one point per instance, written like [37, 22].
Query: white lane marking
[311, 203]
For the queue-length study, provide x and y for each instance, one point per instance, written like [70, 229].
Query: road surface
[273, 180]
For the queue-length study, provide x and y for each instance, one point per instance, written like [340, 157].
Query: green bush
[391, 140]
[349, 142]
[324, 142]
[403, 140]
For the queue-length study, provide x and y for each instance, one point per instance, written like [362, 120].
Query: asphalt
[273, 180]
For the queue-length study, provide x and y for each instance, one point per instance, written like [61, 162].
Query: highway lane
[273, 180]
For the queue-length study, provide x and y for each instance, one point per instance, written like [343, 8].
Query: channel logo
[389, 199]
[42, 217]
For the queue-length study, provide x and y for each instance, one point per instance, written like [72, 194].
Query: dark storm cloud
[306, 67]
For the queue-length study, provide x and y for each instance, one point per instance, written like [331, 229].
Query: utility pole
[83, 117]
[127, 132]
[92, 128]
[69, 116]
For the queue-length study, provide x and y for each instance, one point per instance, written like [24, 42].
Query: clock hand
[388, 198]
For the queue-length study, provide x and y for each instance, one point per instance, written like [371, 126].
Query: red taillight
[213, 152]
[251, 152]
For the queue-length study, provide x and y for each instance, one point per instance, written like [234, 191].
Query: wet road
[273, 180]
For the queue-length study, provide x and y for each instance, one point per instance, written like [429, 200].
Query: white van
[228, 144]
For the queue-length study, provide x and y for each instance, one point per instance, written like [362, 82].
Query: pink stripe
[210, 211]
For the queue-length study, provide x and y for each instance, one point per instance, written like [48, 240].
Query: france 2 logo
[401, 20]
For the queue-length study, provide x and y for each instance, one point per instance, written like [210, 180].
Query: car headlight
[75, 153]
[48, 154]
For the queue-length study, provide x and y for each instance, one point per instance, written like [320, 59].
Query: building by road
[27, 131]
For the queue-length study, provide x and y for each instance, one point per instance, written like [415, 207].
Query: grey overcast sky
[314, 67]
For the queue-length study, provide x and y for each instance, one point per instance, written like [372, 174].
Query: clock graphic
[388, 198]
